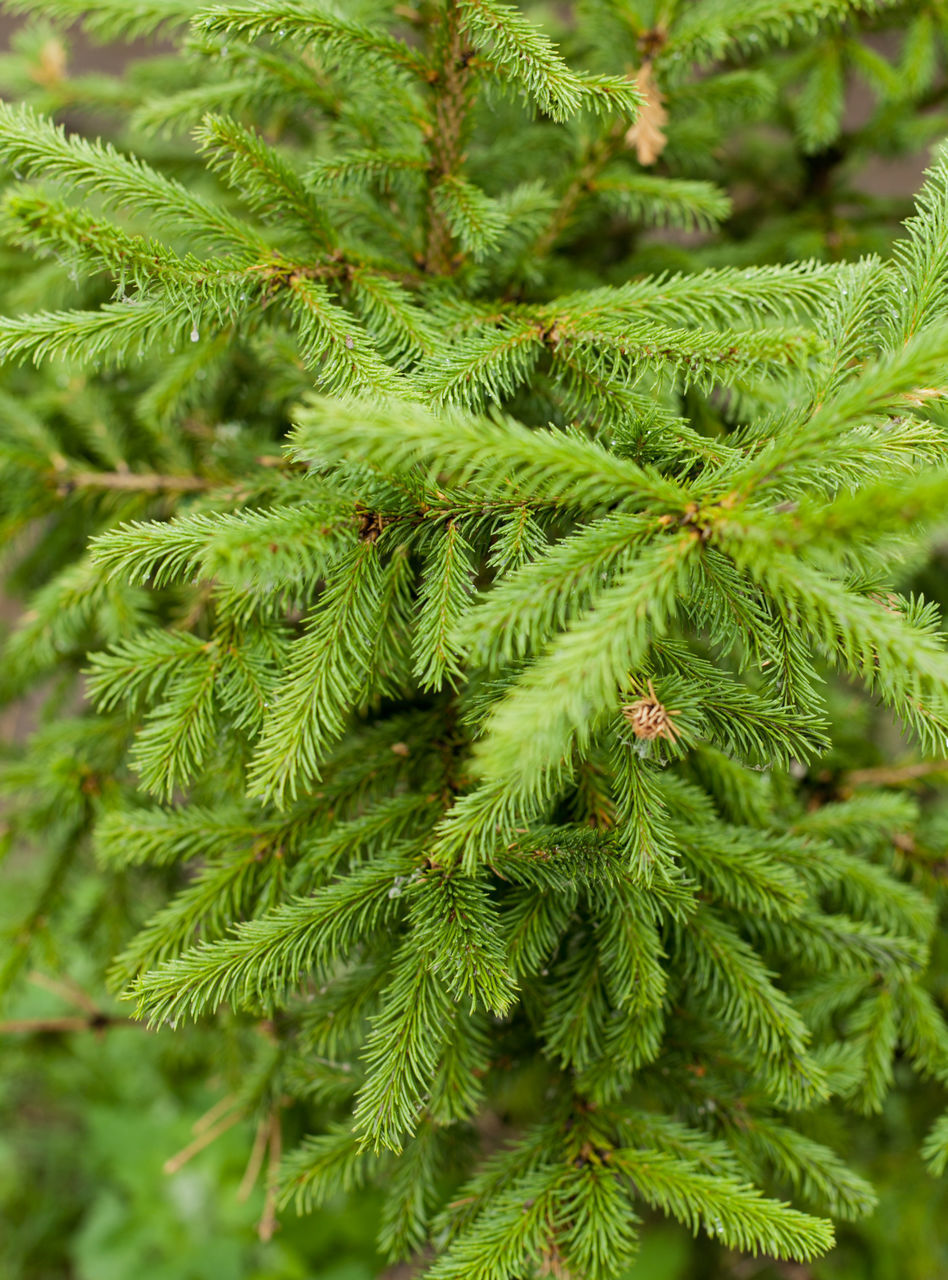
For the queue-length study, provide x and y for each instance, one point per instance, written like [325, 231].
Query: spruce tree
[456, 535]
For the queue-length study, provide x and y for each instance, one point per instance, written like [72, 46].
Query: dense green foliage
[469, 468]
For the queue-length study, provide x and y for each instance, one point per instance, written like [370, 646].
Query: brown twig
[893, 775]
[70, 1022]
[123, 481]
[178, 1161]
[445, 143]
[70, 991]
[131, 482]
[257, 1153]
[268, 1220]
[213, 1114]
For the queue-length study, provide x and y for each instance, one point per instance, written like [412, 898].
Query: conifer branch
[514, 745]
[111, 19]
[736, 1213]
[327, 667]
[351, 43]
[43, 150]
[520, 52]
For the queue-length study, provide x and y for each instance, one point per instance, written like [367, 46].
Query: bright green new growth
[481, 704]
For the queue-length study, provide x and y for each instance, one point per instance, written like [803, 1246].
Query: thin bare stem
[176, 1162]
[894, 775]
[268, 1220]
[133, 482]
[211, 1116]
[257, 1153]
[71, 1022]
[65, 987]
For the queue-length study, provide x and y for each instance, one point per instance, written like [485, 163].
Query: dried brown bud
[649, 718]
[652, 41]
[371, 525]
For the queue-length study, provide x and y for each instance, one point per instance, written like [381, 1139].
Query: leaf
[647, 135]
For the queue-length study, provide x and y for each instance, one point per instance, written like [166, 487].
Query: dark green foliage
[445, 592]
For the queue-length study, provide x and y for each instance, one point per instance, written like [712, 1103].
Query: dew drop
[195, 335]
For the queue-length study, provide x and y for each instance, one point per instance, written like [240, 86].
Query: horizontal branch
[74, 1022]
